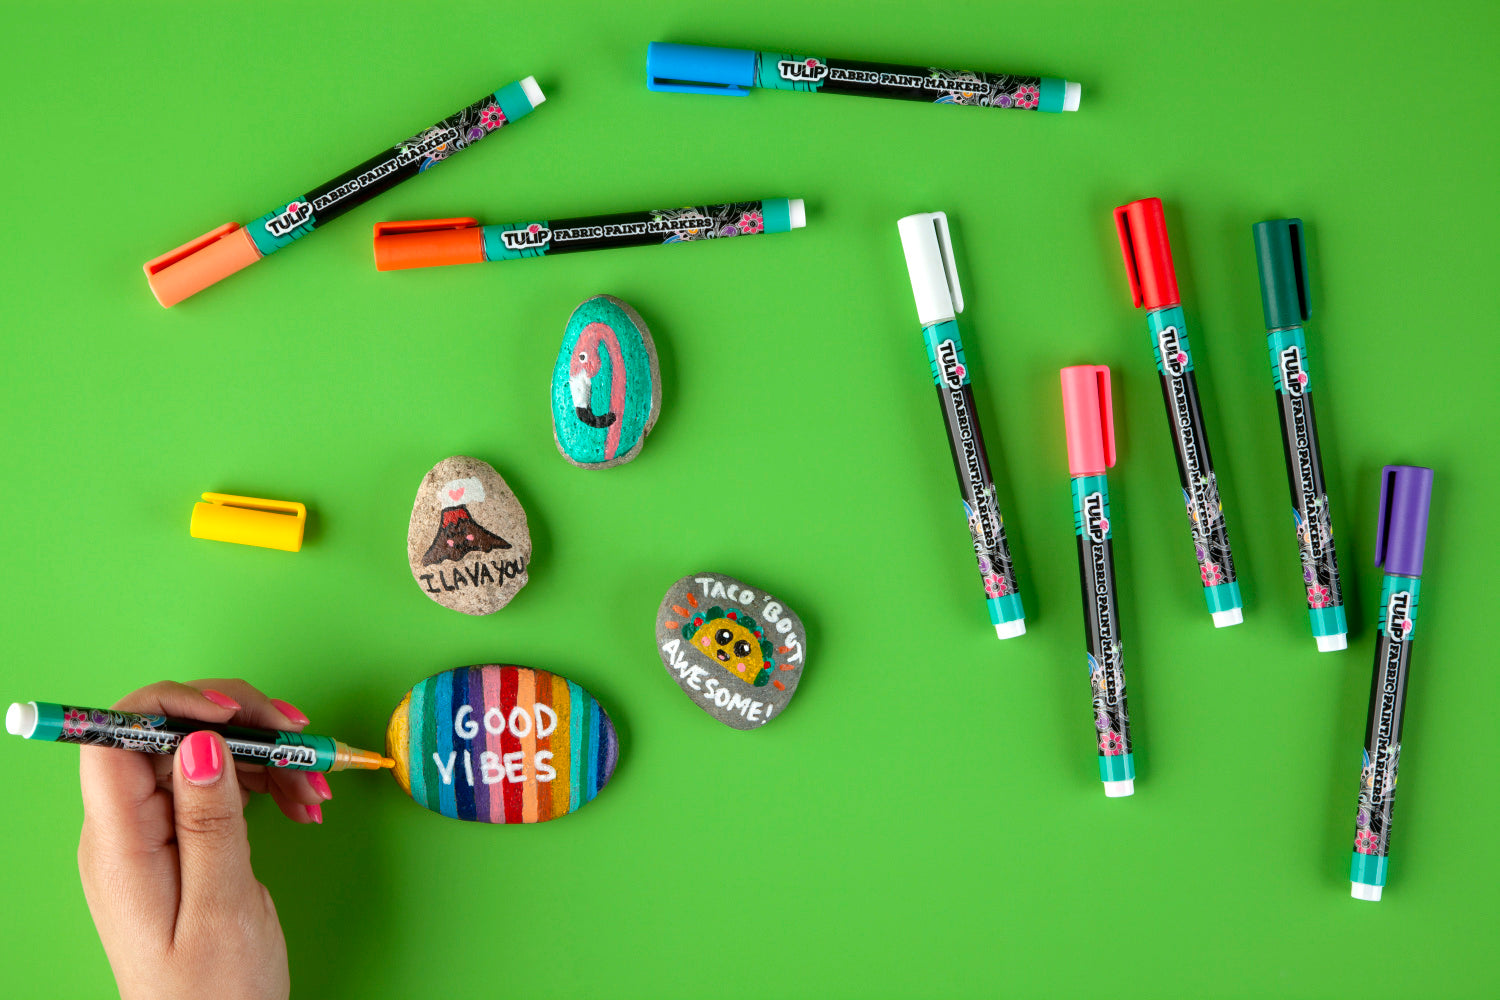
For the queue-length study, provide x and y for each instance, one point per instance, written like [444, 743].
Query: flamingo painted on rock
[584, 366]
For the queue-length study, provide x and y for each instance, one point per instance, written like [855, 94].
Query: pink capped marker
[1089, 419]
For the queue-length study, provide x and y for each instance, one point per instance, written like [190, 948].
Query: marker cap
[270, 524]
[1282, 262]
[1148, 254]
[427, 243]
[699, 69]
[195, 265]
[1401, 532]
[1089, 417]
[929, 264]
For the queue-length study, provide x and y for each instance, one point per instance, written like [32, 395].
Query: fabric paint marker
[1400, 540]
[1089, 421]
[934, 283]
[1282, 260]
[701, 69]
[435, 242]
[102, 727]
[217, 254]
[1153, 283]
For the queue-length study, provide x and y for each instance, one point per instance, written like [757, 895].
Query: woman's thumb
[212, 848]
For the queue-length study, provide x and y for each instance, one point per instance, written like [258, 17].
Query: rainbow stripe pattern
[501, 744]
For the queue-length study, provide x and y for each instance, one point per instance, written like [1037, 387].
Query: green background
[927, 818]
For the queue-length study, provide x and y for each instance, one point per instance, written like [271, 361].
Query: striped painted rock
[501, 744]
[735, 650]
[606, 385]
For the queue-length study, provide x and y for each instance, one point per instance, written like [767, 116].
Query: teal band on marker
[1367, 869]
[1158, 321]
[776, 214]
[1120, 767]
[493, 242]
[1005, 609]
[1328, 621]
[1391, 584]
[1223, 596]
[935, 335]
[1082, 487]
[1053, 90]
[513, 101]
[1279, 341]
[49, 720]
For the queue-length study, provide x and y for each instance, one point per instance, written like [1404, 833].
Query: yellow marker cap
[271, 524]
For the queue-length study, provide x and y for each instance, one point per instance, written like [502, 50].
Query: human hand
[164, 856]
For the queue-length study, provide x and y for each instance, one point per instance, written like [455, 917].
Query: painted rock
[736, 650]
[468, 544]
[606, 386]
[501, 744]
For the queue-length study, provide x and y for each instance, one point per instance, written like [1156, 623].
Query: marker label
[1382, 753]
[626, 229]
[929, 84]
[160, 735]
[1200, 487]
[1101, 623]
[950, 374]
[1304, 469]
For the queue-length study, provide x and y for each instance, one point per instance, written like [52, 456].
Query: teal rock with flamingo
[606, 385]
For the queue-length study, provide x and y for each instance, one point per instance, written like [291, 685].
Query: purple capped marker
[1400, 538]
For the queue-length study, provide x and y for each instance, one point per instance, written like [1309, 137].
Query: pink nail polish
[221, 699]
[315, 813]
[290, 711]
[319, 785]
[202, 761]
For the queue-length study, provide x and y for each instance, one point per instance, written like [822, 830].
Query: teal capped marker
[1281, 258]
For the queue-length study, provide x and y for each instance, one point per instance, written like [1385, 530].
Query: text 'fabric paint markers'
[105, 727]
[702, 69]
[217, 254]
[934, 283]
[1281, 257]
[1400, 541]
[1153, 283]
[1089, 421]
[435, 242]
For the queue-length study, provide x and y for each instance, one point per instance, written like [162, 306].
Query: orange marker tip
[387, 762]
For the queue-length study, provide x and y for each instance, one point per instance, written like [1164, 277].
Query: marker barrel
[1195, 470]
[945, 353]
[1101, 631]
[158, 734]
[1382, 753]
[294, 219]
[1304, 470]
[929, 84]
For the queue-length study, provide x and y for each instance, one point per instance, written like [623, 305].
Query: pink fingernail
[221, 699]
[319, 785]
[202, 761]
[315, 813]
[290, 711]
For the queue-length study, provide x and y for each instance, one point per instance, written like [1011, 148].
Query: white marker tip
[533, 91]
[1223, 619]
[1009, 630]
[1119, 789]
[797, 211]
[1360, 890]
[1332, 643]
[1072, 92]
[20, 719]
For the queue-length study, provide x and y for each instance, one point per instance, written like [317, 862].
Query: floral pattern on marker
[1111, 743]
[1027, 97]
[752, 222]
[75, 722]
[491, 117]
[995, 585]
[1211, 574]
[1318, 596]
[1365, 842]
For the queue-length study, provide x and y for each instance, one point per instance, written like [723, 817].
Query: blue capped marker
[702, 69]
[1400, 540]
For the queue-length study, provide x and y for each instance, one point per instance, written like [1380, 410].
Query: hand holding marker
[1281, 257]
[217, 254]
[934, 283]
[1400, 540]
[1089, 420]
[1153, 282]
[701, 69]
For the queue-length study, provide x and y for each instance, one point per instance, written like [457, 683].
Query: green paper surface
[926, 820]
